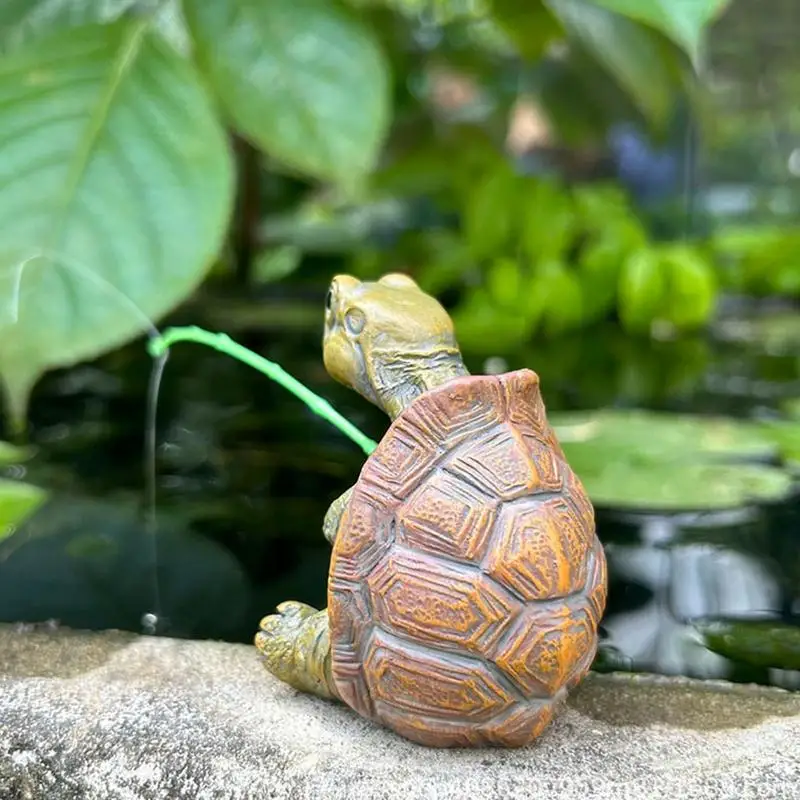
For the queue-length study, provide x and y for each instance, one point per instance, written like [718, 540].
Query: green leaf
[684, 21]
[559, 292]
[762, 643]
[489, 219]
[484, 329]
[528, 25]
[115, 190]
[305, 80]
[786, 279]
[630, 53]
[641, 290]
[504, 282]
[446, 260]
[762, 259]
[692, 287]
[599, 266]
[17, 502]
[25, 21]
[596, 202]
[549, 222]
[277, 263]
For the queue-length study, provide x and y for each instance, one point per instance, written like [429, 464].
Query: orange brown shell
[467, 581]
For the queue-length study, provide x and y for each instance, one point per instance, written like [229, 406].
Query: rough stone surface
[117, 717]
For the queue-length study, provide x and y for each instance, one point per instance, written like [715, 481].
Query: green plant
[759, 259]
[532, 255]
[117, 179]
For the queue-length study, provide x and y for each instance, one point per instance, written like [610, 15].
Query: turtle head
[388, 340]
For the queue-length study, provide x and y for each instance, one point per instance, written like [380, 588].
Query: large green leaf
[305, 80]
[24, 21]
[692, 286]
[684, 21]
[629, 52]
[642, 289]
[488, 216]
[116, 184]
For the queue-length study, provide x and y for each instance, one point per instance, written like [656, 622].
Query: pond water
[245, 472]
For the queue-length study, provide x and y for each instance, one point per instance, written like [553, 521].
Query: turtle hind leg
[296, 646]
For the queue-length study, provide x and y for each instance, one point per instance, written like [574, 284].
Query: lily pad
[659, 462]
[17, 501]
[651, 436]
[677, 487]
[762, 643]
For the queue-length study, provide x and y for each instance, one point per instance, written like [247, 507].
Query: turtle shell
[467, 581]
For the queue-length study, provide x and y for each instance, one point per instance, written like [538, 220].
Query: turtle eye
[354, 321]
[329, 300]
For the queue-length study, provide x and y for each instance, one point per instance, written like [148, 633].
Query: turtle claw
[289, 643]
[290, 615]
[291, 608]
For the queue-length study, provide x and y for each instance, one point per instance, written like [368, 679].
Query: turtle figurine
[466, 581]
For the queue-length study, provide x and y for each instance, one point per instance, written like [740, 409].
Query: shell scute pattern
[417, 596]
[540, 550]
[504, 466]
[545, 648]
[448, 517]
[467, 581]
[420, 681]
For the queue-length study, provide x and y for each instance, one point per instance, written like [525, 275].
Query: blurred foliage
[759, 260]
[118, 190]
[535, 255]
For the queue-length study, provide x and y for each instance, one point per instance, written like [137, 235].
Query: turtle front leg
[334, 515]
[296, 646]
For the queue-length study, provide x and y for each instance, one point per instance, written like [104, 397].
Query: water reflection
[688, 571]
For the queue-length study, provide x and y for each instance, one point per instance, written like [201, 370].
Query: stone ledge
[116, 717]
